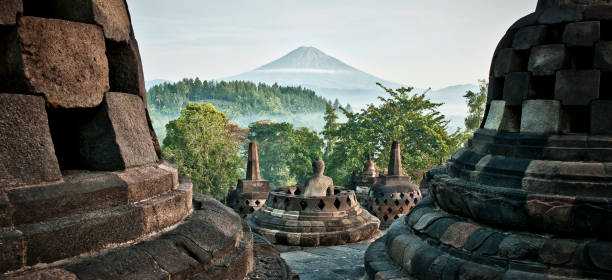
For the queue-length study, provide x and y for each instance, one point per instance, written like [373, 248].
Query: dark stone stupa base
[433, 244]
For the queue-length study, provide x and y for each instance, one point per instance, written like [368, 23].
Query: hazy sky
[427, 43]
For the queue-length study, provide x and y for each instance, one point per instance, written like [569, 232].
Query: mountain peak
[306, 57]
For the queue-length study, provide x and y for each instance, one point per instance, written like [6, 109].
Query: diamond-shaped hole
[246, 202]
[386, 202]
[416, 200]
[321, 204]
[257, 202]
[411, 195]
[337, 203]
[385, 217]
[402, 195]
[241, 209]
[303, 204]
[401, 210]
[251, 210]
[379, 209]
[396, 217]
[397, 202]
[390, 210]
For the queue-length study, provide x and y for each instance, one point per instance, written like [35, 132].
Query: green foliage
[285, 152]
[411, 119]
[476, 102]
[201, 145]
[243, 102]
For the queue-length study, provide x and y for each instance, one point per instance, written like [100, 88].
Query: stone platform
[211, 243]
[433, 244]
[290, 219]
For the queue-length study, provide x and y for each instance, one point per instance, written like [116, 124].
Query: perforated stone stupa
[252, 192]
[334, 217]
[83, 192]
[394, 195]
[530, 197]
[364, 181]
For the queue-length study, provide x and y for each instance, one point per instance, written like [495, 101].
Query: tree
[476, 102]
[201, 145]
[305, 147]
[285, 153]
[274, 148]
[411, 119]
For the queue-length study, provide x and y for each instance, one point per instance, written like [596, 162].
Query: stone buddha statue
[319, 184]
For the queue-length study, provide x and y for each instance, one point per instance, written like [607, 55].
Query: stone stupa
[531, 195]
[316, 214]
[252, 192]
[83, 192]
[362, 183]
[394, 195]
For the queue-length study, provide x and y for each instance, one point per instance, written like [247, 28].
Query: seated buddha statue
[319, 184]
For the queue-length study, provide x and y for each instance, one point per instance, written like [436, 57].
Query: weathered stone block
[603, 56]
[111, 15]
[118, 136]
[125, 69]
[517, 88]
[507, 60]
[9, 11]
[250, 186]
[529, 36]
[500, 117]
[79, 193]
[27, 155]
[12, 255]
[6, 211]
[600, 122]
[545, 60]
[541, 116]
[582, 34]
[598, 12]
[45, 274]
[560, 14]
[577, 87]
[126, 263]
[64, 61]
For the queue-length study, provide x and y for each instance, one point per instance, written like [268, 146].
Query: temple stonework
[252, 192]
[530, 197]
[84, 193]
[394, 195]
[364, 181]
[290, 217]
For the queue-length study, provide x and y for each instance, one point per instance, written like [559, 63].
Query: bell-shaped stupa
[316, 214]
[252, 192]
[531, 195]
[394, 195]
[83, 191]
[362, 183]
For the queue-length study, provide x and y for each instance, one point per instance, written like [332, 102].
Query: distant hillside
[327, 76]
[243, 102]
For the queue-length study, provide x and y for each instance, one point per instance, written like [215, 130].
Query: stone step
[56, 239]
[211, 243]
[86, 191]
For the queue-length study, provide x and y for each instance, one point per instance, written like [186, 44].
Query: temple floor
[336, 262]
